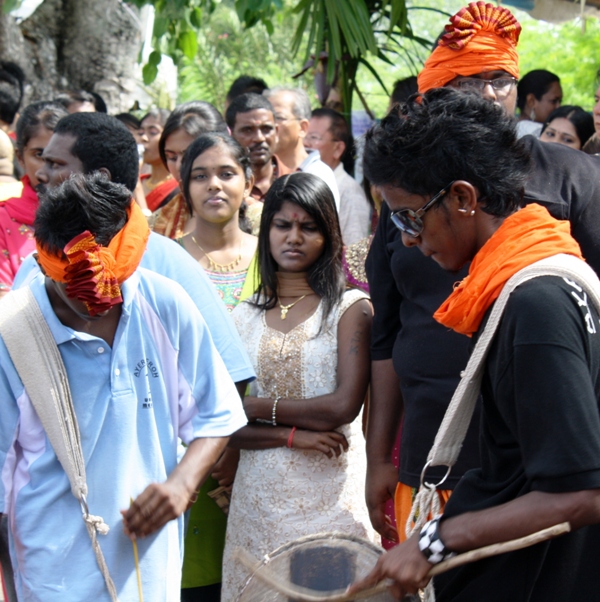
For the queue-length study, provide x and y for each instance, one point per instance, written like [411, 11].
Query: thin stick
[137, 565]
[500, 548]
[303, 594]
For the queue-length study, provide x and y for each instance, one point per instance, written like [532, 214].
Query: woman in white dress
[302, 465]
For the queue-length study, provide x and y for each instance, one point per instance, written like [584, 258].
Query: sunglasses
[411, 222]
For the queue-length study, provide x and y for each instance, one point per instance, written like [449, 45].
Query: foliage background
[226, 50]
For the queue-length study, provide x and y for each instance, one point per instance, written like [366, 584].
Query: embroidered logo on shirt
[152, 370]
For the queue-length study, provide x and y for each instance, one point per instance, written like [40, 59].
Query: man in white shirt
[292, 114]
[329, 133]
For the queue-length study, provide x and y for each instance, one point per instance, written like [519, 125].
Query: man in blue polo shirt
[143, 372]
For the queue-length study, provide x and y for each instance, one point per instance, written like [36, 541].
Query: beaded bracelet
[430, 543]
[274, 411]
[291, 438]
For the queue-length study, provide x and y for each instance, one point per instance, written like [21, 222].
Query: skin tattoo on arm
[355, 342]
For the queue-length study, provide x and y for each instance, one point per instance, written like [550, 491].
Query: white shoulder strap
[36, 357]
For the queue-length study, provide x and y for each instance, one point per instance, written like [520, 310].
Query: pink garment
[16, 232]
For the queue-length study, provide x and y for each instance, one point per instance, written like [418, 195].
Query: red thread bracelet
[291, 437]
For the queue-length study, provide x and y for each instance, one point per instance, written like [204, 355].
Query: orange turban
[481, 37]
[94, 273]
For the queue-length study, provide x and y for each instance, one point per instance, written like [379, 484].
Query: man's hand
[382, 479]
[153, 508]
[404, 564]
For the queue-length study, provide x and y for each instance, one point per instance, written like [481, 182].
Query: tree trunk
[76, 44]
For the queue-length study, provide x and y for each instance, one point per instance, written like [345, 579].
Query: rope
[27, 335]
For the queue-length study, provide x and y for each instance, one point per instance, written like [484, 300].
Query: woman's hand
[331, 443]
[225, 469]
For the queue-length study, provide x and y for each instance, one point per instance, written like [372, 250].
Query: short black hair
[102, 141]
[403, 89]
[244, 84]
[340, 130]
[244, 103]
[581, 120]
[82, 202]
[66, 99]
[12, 80]
[129, 120]
[202, 144]
[536, 82]
[99, 103]
[44, 114]
[446, 135]
[326, 275]
[195, 118]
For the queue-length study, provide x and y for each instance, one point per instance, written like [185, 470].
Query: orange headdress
[94, 273]
[480, 37]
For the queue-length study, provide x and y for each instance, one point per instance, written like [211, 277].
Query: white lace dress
[282, 494]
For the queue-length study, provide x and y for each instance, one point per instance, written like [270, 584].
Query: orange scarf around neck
[524, 237]
[94, 273]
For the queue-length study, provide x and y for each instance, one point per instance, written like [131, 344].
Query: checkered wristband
[431, 545]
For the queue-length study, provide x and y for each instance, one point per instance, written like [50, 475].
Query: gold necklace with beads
[286, 308]
[213, 266]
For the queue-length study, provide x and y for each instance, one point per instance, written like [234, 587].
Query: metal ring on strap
[431, 485]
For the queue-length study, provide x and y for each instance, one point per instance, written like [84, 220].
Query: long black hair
[326, 275]
[201, 145]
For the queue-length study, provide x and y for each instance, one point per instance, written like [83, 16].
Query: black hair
[99, 103]
[446, 135]
[195, 118]
[244, 103]
[403, 89]
[202, 144]
[244, 84]
[44, 114]
[129, 120]
[536, 82]
[82, 202]
[161, 115]
[101, 141]
[326, 275]
[581, 120]
[340, 130]
[66, 99]
[12, 80]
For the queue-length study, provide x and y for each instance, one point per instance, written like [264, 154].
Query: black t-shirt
[540, 431]
[406, 289]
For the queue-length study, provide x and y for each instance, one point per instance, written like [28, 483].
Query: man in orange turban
[478, 52]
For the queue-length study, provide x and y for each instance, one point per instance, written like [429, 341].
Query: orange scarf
[524, 237]
[94, 273]
[480, 37]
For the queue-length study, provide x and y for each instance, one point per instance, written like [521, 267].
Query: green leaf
[155, 57]
[149, 73]
[188, 43]
[196, 17]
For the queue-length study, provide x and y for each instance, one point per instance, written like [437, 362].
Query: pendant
[284, 311]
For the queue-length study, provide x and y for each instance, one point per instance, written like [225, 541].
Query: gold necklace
[213, 266]
[286, 308]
